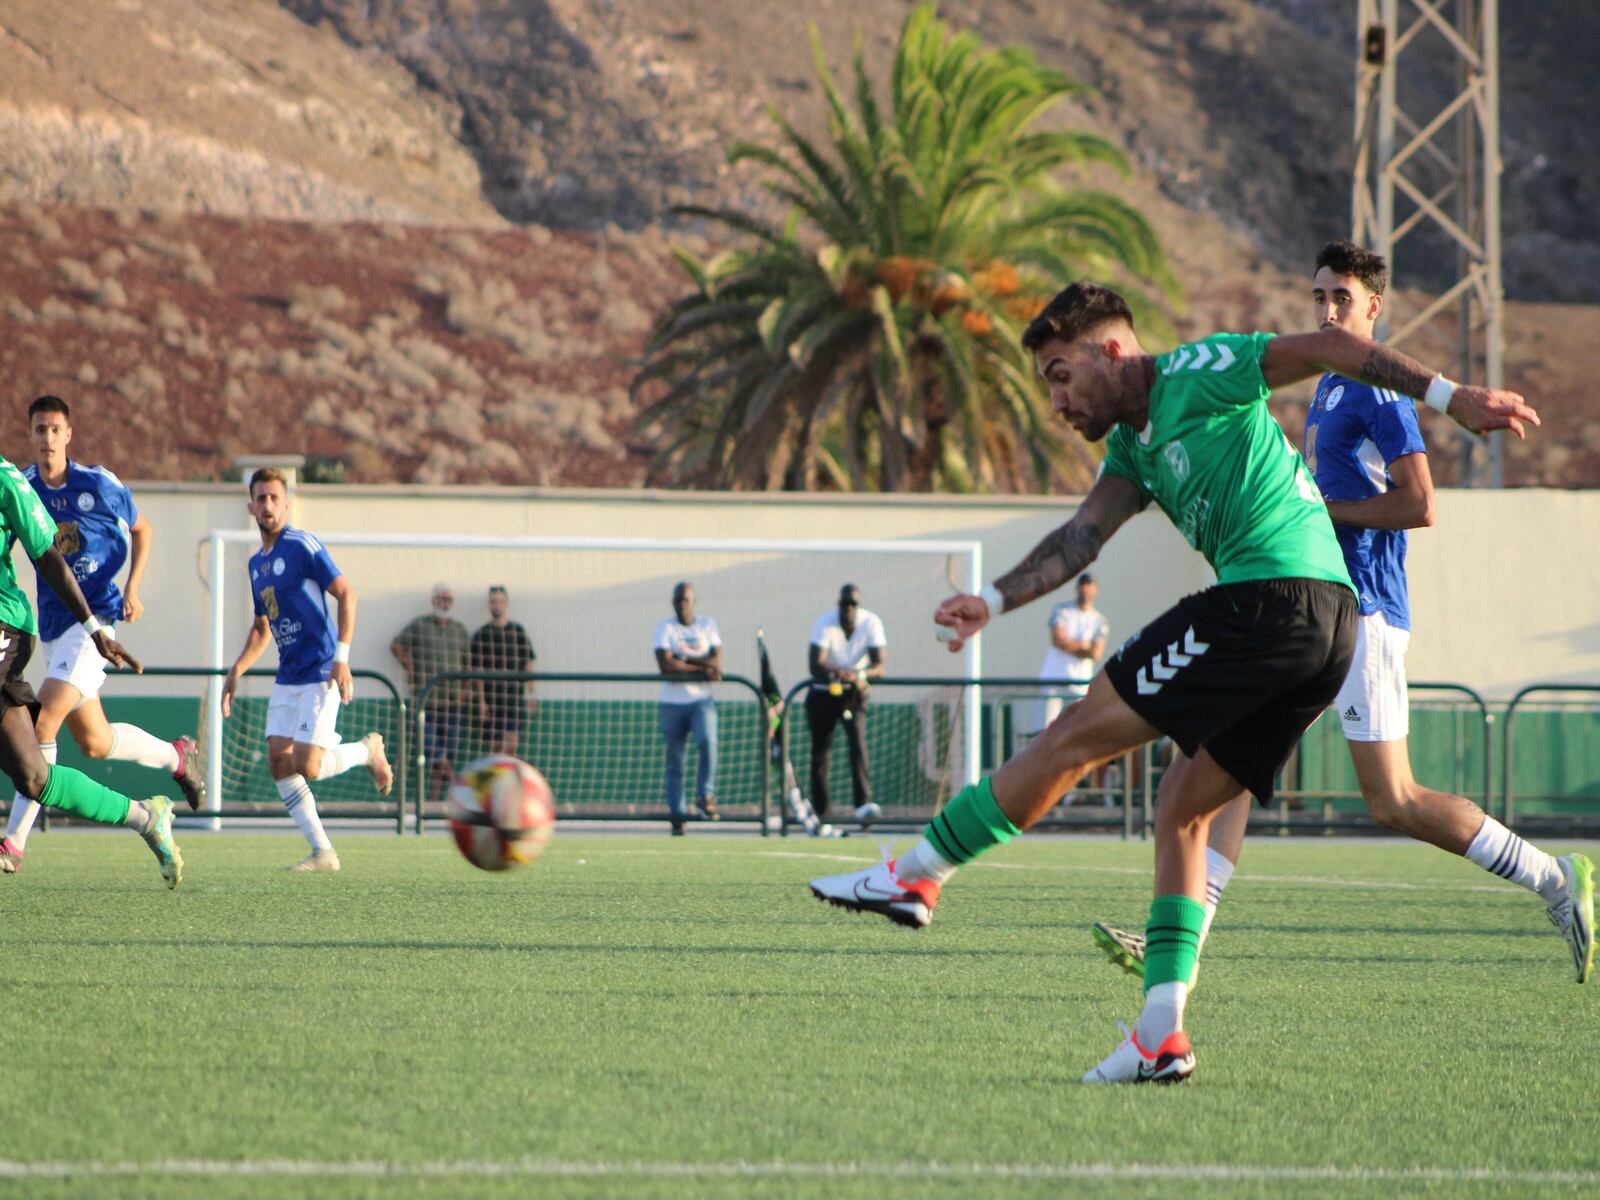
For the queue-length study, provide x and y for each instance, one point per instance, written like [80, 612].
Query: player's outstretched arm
[344, 598]
[58, 576]
[1296, 356]
[1060, 557]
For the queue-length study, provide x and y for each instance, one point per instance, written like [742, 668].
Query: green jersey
[23, 518]
[1217, 463]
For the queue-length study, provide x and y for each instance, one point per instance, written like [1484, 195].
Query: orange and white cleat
[879, 890]
[1170, 1062]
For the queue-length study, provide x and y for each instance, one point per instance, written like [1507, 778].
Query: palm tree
[870, 341]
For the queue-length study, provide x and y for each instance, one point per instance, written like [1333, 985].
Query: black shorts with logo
[16, 648]
[1241, 670]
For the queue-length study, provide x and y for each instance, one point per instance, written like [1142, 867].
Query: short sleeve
[255, 603]
[1119, 461]
[1393, 426]
[524, 645]
[713, 634]
[1104, 630]
[320, 566]
[876, 639]
[1058, 616]
[126, 508]
[819, 630]
[24, 515]
[1224, 368]
[408, 635]
[480, 642]
[663, 640]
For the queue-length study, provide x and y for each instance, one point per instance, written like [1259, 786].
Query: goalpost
[590, 606]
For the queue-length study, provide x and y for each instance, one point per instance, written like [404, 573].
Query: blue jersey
[1353, 432]
[94, 513]
[289, 584]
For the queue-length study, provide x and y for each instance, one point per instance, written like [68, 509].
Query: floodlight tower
[1438, 172]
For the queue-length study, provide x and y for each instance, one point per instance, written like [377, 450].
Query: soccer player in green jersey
[1234, 674]
[23, 519]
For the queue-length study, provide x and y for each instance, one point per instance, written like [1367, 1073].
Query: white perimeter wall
[1503, 589]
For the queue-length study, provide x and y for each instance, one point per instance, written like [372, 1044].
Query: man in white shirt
[1078, 633]
[847, 654]
[688, 645]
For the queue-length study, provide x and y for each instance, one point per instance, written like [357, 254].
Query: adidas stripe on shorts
[1241, 670]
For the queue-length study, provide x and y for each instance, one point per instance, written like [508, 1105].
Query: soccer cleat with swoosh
[879, 890]
[1170, 1062]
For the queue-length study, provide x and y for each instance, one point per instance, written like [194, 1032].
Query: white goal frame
[215, 556]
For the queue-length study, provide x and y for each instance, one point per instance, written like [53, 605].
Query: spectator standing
[1078, 633]
[502, 645]
[688, 644]
[431, 645]
[847, 654]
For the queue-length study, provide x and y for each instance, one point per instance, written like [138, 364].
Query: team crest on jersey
[68, 540]
[277, 566]
[1177, 460]
[269, 601]
[1334, 397]
[85, 502]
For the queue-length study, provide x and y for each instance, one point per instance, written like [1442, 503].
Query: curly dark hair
[1347, 258]
[1075, 312]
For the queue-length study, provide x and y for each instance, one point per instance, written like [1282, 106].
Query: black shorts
[1241, 670]
[16, 648]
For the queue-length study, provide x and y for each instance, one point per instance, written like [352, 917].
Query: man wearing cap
[847, 654]
[431, 645]
[1078, 635]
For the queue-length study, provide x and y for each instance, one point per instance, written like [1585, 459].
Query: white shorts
[304, 712]
[1372, 704]
[73, 659]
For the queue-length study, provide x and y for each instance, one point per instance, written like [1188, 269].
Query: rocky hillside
[425, 237]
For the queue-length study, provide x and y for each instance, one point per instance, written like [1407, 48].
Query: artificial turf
[645, 1016]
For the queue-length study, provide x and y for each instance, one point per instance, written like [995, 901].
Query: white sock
[1163, 1013]
[1500, 852]
[129, 743]
[1218, 871]
[138, 818]
[922, 861]
[336, 760]
[25, 812]
[302, 806]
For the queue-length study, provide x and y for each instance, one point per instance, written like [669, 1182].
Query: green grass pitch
[648, 1017]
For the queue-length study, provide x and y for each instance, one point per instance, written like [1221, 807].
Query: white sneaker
[868, 813]
[1573, 914]
[378, 763]
[318, 860]
[824, 830]
[1171, 1062]
[878, 890]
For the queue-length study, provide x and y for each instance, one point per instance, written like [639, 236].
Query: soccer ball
[501, 812]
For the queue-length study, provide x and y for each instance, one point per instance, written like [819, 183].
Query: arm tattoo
[1051, 563]
[1386, 368]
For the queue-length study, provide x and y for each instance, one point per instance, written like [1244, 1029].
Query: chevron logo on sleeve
[1167, 663]
[1200, 356]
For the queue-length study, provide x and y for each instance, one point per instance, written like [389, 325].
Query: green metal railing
[1588, 710]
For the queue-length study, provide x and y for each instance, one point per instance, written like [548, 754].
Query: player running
[1234, 674]
[97, 525]
[1367, 455]
[24, 519]
[291, 577]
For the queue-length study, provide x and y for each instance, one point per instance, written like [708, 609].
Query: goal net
[590, 606]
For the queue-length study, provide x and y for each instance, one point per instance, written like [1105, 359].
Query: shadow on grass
[404, 945]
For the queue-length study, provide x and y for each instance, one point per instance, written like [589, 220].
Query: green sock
[74, 792]
[970, 824]
[1172, 940]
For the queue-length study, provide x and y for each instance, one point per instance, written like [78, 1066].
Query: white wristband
[91, 625]
[992, 597]
[341, 652]
[1439, 392]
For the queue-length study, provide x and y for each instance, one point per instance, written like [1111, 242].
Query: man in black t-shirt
[502, 645]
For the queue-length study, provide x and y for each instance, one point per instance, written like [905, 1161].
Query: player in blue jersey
[98, 531]
[1368, 458]
[292, 577]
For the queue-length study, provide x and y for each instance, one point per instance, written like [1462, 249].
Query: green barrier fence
[1550, 761]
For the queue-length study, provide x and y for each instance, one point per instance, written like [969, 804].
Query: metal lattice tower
[1437, 173]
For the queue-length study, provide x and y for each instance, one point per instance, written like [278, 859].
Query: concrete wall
[1503, 588]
